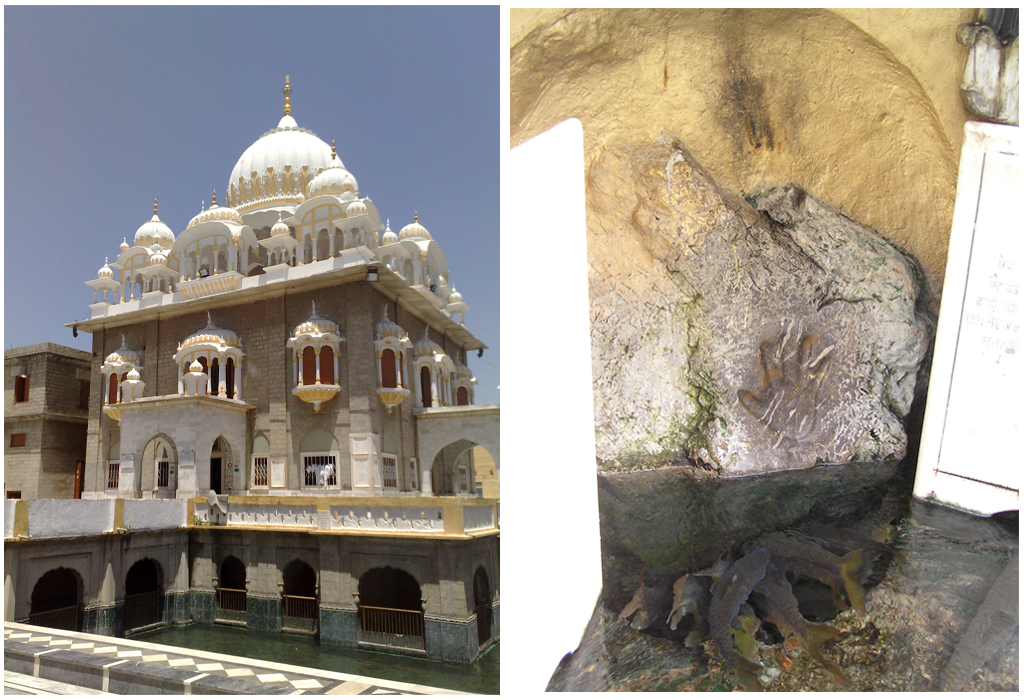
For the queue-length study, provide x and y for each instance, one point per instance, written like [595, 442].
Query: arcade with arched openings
[143, 595]
[57, 600]
[391, 609]
[299, 596]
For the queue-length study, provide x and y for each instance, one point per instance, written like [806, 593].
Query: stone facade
[189, 562]
[52, 419]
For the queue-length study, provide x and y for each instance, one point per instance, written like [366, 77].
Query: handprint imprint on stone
[793, 368]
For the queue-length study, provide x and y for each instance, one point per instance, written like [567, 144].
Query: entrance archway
[231, 591]
[391, 609]
[57, 600]
[221, 477]
[143, 595]
[452, 471]
[300, 599]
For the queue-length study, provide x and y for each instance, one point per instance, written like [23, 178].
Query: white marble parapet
[477, 517]
[151, 514]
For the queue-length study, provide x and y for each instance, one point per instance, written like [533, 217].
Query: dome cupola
[105, 271]
[154, 232]
[414, 230]
[334, 180]
[215, 213]
[280, 228]
[389, 236]
[278, 168]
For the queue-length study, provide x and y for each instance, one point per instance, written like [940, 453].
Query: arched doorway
[452, 472]
[143, 595]
[231, 591]
[482, 604]
[391, 609]
[300, 599]
[220, 455]
[57, 601]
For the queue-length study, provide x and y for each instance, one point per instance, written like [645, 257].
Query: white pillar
[222, 375]
[316, 351]
[398, 373]
[335, 355]
[238, 379]
[298, 361]
[332, 243]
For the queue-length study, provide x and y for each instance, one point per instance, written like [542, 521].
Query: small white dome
[356, 208]
[280, 228]
[414, 230]
[195, 367]
[133, 375]
[335, 180]
[216, 213]
[389, 236]
[105, 271]
[158, 258]
[124, 245]
[454, 297]
[153, 232]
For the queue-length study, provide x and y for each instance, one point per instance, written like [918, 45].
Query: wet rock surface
[945, 566]
[742, 335]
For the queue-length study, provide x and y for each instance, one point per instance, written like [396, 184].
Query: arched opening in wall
[57, 600]
[391, 609]
[482, 604]
[308, 365]
[300, 599]
[221, 469]
[462, 397]
[112, 392]
[425, 394]
[323, 245]
[143, 595]
[260, 461]
[327, 365]
[215, 377]
[229, 377]
[388, 376]
[452, 472]
[231, 591]
[159, 466]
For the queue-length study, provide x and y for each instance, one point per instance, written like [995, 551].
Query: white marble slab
[970, 449]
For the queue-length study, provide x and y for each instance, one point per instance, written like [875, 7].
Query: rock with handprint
[742, 334]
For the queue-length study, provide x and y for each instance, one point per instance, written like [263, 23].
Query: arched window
[230, 377]
[112, 395]
[326, 365]
[318, 456]
[261, 461]
[389, 380]
[463, 396]
[425, 387]
[308, 366]
[215, 377]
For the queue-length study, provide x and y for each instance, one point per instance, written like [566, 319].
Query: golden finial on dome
[287, 99]
[334, 154]
[214, 202]
[416, 217]
[154, 206]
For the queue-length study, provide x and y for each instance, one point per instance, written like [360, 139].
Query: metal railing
[66, 618]
[231, 604]
[143, 609]
[300, 613]
[391, 627]
[113, 474]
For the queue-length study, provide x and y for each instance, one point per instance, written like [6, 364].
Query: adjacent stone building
[46, 409]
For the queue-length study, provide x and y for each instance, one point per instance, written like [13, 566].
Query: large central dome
[276, 169]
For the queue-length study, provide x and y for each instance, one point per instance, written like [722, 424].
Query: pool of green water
[481, 677]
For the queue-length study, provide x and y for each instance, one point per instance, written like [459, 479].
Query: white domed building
[263, 352]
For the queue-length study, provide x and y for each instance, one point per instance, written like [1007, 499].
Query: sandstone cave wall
[861, 108]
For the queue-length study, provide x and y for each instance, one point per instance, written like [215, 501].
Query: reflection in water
[482, 677]
[944, 571]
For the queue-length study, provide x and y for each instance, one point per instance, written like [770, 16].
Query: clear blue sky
[107, 108]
